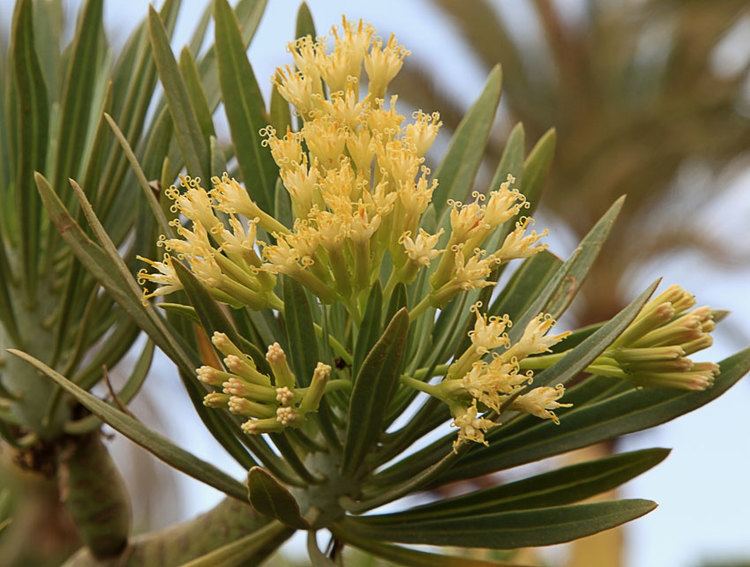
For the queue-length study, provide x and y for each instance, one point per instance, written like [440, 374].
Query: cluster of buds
[221, 255]
[653, 351]
[271, 403]
[474, 388]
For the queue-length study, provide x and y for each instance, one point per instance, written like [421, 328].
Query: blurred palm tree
[636, 95]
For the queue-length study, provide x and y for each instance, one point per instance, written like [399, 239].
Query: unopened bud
[216, 400]
[313, 395]
[281, 372]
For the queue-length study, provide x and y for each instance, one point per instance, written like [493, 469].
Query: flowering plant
[331, 317]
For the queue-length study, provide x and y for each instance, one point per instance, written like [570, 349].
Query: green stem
[439, 370]
[435, 391]
[94, 493]
[231, 521]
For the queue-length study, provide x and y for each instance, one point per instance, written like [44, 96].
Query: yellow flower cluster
[269, 404]
[358, 184]
[474, 386]
[223, 258]
[654, 350]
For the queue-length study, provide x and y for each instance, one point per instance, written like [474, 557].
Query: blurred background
[650, 98]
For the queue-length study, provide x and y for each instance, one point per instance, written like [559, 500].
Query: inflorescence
[356, 177]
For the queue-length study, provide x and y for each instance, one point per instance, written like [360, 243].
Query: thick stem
[94, 493]
[227, 522]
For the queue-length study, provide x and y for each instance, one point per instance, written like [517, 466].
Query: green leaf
[525, 285]
[511, 162]
[282, 204]
[555, 488]
[377, 380]
[271, 498]
[397, 302]
[137, 432]
[189, 71]
[505, 530]
[32, 115]
[536, 167]
[249, 14]
[563, 286]
[110, 271]
[412, 557]
[370, 329]
[193, 145]
[281, 116]
[153, 203]
[79, 92]
[305, 25]
[460, 165]
[244, 107]
[302, 345]
[586, 424]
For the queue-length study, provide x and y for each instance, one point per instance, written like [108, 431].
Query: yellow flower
[535, 339]
[470, 426]
[421, 249]
[165, 276]
[422, 132]
[488, 333]
[382, 64]
[541, 402]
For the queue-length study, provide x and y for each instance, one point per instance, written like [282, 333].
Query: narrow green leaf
[525, 285]
[563, 286]
[305, 25]
[511, 162]
[244, 107]
[567, 485]
[218, 159]
[377, 379]
[138, 375]
[282, 204]
[281, 116]
[189, 71]
[140, 176]
[302, 344]
[32, 115]
[397, 302]
[192, 143]
[271, 498]
[412, 557]
[578, 358]
[370, 329]
[249, 14]
[79, 92]
[460, 165]
[137, 432]
[506, 530]
[109, 270]
[536, 167]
